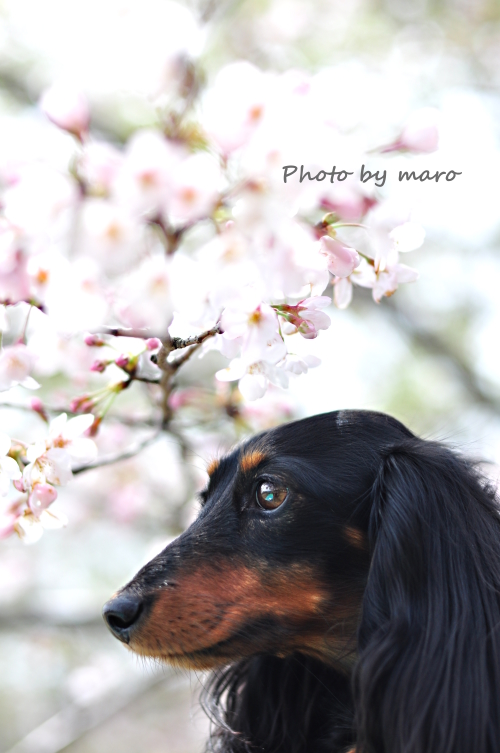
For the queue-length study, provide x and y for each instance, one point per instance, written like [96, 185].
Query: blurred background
[429, 355]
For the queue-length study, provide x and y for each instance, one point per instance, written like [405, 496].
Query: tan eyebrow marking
[355, 537]
[251, 460]
[212, 466]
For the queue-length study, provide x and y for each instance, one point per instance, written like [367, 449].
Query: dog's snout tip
[121, 614]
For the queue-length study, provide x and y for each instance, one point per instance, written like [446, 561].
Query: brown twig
[117, 457]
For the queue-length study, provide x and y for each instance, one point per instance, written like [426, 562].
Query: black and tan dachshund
[342, 581]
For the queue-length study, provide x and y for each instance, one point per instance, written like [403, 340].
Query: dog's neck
[292, 705]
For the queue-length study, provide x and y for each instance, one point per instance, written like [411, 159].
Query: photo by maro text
[378, 176]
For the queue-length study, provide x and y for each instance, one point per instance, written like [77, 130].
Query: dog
[342, 582]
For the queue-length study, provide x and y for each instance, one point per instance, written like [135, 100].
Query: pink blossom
[7, 524]
[99, 166]
[110, 234]
[342, 292]
[38, 407]
[14, 278]
[67, 107]
[342, 259]
[122, 360]
[30, 527]
[258, 329]
[364, 275]
[253, 378]
[420, 134]
[153, 343]
[100, 366]
[235, 105]
[94, 341]
[305, 315]
[16, 363]
[51, 459]
[41, 497]
[143, 298]
[388, 281]
[195, 188]
[144, 180]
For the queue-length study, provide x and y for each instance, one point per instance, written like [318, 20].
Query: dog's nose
[121, 615]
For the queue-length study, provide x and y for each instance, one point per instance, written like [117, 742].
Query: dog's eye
[270, 496]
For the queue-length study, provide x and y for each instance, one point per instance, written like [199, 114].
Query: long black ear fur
[428, 676]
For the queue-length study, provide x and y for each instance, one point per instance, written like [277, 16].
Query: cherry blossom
[305, 317]
[342, 259]
[177, 239]
[420, 133]
[67, 107]
[257, 329]
[387, 281]
[253, 378]
[16, 364]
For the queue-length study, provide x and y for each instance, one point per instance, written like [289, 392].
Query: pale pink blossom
[381, 221]
[195, 188]
[30, 527]
[253, 378]
[364, 275]
[144, 181]
[7, 524]
[14, 279]
[300, 364]
[51, 459]
[98, 166]
[420, 134]
[16, 364]
[110, 234]
[342, 259]
[235, 104]
[51, 466]
[143, 298]
[342, 292]
[39, 204]
[67, 107]
[68, 434]
[306, 317]
[9, 469]
[388, 281]
[258, 328]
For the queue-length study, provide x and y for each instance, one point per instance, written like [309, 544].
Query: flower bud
[41, 497]
[153, 343]
[37, 406]
[82, 404]
[94, 341]
[122, 361]
[99, 366]
[67, 108]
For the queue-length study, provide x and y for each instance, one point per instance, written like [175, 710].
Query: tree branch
[117, 457]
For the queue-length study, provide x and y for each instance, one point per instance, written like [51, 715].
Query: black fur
[409, 661]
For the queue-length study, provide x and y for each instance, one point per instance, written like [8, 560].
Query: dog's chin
[201, 659]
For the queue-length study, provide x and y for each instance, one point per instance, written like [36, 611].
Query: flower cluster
[45, 465]
[188, 231]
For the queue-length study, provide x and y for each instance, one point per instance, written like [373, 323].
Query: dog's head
[346, 538]
[278, 557]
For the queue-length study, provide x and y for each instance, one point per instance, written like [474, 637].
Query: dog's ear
[428, 676]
